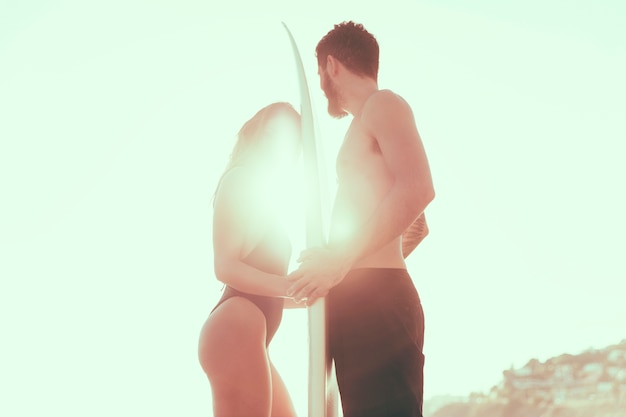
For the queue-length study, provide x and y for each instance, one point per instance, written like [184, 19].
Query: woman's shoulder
[243, 190]
[233, 176]
[236, 186]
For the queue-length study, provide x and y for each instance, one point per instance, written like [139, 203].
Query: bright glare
[117, 120]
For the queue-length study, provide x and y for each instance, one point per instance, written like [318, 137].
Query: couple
[376, 322]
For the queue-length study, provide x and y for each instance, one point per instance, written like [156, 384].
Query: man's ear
[332, 65]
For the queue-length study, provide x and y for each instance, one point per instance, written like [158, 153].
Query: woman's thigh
[282, 405]
[233, 354]
[233, 335]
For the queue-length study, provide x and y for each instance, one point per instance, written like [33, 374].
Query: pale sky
[117, 118]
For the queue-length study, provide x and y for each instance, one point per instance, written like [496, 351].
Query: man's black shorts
[376, 336]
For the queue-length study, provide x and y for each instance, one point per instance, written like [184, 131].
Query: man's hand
[320, 270]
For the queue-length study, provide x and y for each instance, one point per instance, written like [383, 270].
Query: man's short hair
[353, 46]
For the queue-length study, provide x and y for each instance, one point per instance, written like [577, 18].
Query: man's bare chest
[359, 156]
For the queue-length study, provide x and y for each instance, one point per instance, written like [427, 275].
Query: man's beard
[330, 90]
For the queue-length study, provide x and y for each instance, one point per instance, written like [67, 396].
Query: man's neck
[357, 91]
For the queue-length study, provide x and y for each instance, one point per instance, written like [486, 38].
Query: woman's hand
[320, 269]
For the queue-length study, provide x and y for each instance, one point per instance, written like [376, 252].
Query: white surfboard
[322, 391]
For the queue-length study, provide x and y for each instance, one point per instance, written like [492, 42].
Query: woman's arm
[237, 229]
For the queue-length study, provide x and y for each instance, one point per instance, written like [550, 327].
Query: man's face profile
[332, 94]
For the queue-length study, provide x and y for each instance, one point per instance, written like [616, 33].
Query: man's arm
[389, 119]
[414, 235]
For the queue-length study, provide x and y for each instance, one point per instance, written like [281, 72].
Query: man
[376, 323]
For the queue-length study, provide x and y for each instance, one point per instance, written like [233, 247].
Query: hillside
[589, 384]
[517, 409]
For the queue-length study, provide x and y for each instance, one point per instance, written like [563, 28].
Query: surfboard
[322, 393]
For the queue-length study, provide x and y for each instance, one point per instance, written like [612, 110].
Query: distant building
[596, 374]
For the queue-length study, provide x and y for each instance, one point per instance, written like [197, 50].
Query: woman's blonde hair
[250, 134]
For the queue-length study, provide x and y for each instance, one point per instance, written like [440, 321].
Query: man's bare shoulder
[385, 110]
[386, 104]
[385, 98]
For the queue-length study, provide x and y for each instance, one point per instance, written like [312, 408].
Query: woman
[252, 252]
